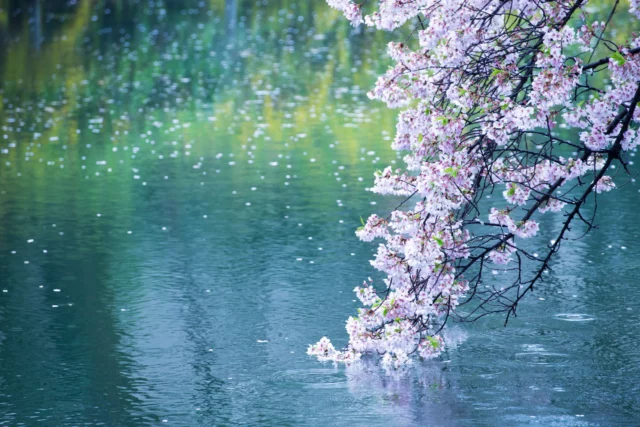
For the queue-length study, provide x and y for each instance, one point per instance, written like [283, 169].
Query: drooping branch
[485, 87]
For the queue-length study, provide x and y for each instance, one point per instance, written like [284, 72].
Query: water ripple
[574, 317]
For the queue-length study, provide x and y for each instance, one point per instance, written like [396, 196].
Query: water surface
[179, 187]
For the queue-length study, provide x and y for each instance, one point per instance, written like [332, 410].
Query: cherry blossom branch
[484, 87]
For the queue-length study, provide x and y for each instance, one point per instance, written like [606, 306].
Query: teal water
[179, 187]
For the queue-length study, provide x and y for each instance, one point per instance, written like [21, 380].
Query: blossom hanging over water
[485, 85]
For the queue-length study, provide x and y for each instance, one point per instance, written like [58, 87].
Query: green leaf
[451, 171]
[617, 56]
[362, 221]
[434, 342]
[444, 120]
[495, 72]
[512, 190]
[420, 137]
[385, 311]
[439, 241]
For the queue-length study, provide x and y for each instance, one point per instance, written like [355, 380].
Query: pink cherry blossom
[486, 89]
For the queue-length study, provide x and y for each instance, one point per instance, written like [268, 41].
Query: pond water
[180, 182]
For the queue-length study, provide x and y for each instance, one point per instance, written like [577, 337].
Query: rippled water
[179, 187]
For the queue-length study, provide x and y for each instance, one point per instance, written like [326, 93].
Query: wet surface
[179, 187]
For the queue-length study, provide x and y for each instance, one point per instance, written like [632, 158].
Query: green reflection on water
[112, 114]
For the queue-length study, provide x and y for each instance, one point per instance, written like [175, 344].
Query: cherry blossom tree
[502, 95]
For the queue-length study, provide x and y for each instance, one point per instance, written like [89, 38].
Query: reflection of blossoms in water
[364, 379]
[399, 388]
[485, 86]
